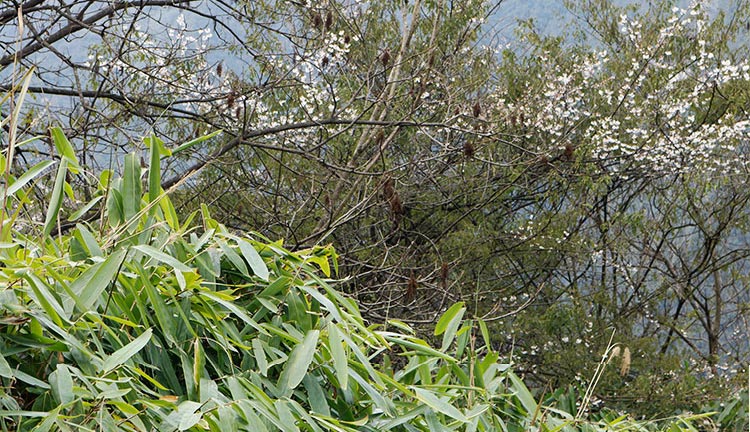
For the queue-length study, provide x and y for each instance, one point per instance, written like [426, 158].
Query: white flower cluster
[172, 63]
[662, 115]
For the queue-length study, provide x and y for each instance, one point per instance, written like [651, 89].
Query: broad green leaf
[299, 360]
[65, 149]
[336, 346]
[253, 258]
[131, 186]
[162, 257]
[55, 200]
[125, 353]
[437, 404]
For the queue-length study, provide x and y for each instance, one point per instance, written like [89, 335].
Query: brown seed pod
[468, 149]
[379, 137]
[476, 110]
[219, 69]
[411, 288]
[444, 275]
[324, 62]
[391, 197]
[385, 58]
[568, 152]
[329, 20]
[231, 99]
[317, 21]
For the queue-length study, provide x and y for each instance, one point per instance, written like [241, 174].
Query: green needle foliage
[151, 322]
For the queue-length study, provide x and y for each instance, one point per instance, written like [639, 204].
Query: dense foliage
[575, 193]
[152, 322]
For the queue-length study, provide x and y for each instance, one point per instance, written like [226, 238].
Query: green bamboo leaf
[199, 360]
[62, 384]
[115, 212]
[198, 140]
[323, 300]
[42, 295]
[522, 393]
[49, 420]
[335, 345]
[437, 404]
[170, 215]
[13, 126]
[299, 360]
[87, 239]
[89, 286]
[30, 380]
[55, 200]
[254, 259]
[447, 317]
[163, 315]
[315, 395]
[156, 149]
[286, 419]
[26, 177]
[260, 356]
[65, 149]
[5, 369]
[451, 320]
[485, 334]
[416, 344]
[235, 259]
[131, 186]
[84, 209]
[236, 310]
[162, 257]
[125, 353]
